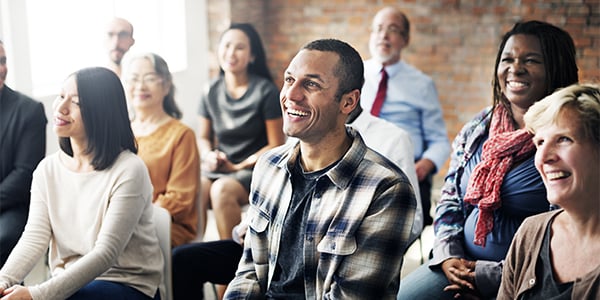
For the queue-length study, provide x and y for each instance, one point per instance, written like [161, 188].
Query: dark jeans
[197, 263]
[424, 283]
[425, 189]
[102, 290]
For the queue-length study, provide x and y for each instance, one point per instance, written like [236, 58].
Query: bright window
[67, 35]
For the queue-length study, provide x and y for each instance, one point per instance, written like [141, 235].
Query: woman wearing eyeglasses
[167, 146]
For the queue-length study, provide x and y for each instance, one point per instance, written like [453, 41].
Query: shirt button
[532, 281]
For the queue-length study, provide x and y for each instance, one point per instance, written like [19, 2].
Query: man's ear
[349, 101]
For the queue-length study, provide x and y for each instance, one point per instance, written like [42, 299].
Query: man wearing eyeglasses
[400, 93]
[119, 38]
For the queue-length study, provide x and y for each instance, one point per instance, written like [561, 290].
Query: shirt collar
[394, 68]
[342, 173]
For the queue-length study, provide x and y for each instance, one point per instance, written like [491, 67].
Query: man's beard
[118, 57]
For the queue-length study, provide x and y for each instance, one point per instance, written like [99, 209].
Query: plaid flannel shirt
[358, 226]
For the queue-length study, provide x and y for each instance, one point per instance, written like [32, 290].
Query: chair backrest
[162, 221]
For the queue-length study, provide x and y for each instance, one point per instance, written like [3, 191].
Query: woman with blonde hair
[554, 255]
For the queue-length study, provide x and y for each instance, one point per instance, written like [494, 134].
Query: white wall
[189, 82]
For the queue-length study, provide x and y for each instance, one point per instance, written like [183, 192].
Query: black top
[288, 278]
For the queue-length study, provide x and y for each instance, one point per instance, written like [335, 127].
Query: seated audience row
[293, 243]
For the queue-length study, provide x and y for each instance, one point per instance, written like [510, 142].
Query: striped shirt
[357, 229]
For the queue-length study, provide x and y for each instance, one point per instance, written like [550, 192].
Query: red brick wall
[453, 41]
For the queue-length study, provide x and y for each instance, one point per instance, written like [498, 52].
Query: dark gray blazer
[22, 147]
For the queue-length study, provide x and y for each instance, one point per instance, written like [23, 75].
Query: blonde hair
[582, 99]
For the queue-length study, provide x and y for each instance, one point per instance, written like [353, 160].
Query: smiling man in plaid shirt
[329, 218]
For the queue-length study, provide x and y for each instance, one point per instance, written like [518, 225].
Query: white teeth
[297, 112]
[557, 175]
[516, 84]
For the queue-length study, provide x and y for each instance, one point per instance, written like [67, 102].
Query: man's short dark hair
[349, 69]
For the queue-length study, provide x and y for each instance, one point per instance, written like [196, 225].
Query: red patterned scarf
[504, 146]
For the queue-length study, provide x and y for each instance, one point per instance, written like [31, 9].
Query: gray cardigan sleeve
[488, 275]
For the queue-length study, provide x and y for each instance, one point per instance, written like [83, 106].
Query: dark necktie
[381, 90]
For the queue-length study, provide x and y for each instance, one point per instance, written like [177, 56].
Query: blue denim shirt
[412, 103]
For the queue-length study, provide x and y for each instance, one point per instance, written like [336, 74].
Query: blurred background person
[118, 40]
[90, 204]
[555, 255]
[406, 97]
[167, 146]
[239, 119]
[22, 147]
[492, 184]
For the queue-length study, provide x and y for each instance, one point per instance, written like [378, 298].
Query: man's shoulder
[374, 129]
[278, 154]
[374, 163]
[381, 161]
[382, 125]
[22, 104]
[18, 97]
[407, 69]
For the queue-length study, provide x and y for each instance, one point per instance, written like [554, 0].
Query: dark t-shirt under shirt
[288, 279]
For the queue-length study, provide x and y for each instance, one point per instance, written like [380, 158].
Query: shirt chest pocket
[259, 222]
[337, 245]
[259, 242]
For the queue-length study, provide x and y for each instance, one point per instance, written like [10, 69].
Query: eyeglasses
[392, 29]
[148, 79]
